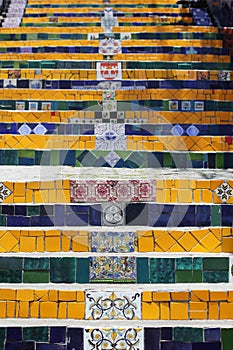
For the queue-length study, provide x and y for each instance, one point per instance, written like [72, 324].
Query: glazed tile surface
[116, 188]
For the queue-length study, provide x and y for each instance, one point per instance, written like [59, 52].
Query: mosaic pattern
[182, 305]
[41, 338]
[214, 240]
[113, 306]
[127, 339]
[112, 269]
[112, 191]
[106, 86]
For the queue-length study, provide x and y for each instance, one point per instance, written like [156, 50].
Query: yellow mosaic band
[206, 240]
[152, 117]
[133, 143]
[167, 191]
[131, 95]
[131, 29]
[62, 304]
[127, 74]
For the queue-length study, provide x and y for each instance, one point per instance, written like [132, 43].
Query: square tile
[113, 214]
[113, 338]
[112, 305]
[119, 242]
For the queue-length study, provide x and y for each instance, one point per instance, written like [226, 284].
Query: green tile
[10, 276]
[197, 264]
[184, 276]
[10, 157]
[55, 157]
[38, 334]
[26, 153]
[62, 270]
[36, 263]
[188, 334]
[227, 338]
[211, 264]
[184, 264]
[220, 160]
[33, 210]
[143, 270]
[11, 263]
[197, 276]
[215, 276]
[83, 270]
[162, 270]
[2, 334]
[36, 277]
[3, 220]
[215, 215]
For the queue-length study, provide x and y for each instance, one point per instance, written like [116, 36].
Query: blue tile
[176, 346]
[75, 339]
[203, 215]
[152, 338]
[57, 334]
[137, 214]
[95, 215]
[207, 346]
[166, 333]
[14, 334]
[59, 215]
[212, 334]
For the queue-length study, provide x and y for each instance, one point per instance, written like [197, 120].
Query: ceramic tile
[113, 338]
[113, 214]
[113, 306]
[224, 192]
[4, 192]
[119, 242]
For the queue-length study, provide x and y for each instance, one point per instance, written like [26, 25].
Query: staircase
[116, 187]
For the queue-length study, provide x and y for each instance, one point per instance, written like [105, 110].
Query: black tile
[152, 338]
[57, 334]
[14, 334]
[137, 214]
[166, 333]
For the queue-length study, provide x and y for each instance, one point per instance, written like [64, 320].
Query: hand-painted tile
[113, 338]
[119, 242]
[112, 306]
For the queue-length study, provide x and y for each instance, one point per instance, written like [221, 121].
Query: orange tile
[161, 296]
[147, 296]
[226, 311]
[180, 296]
[48, 309]
[179, 311]
[213, 311]
[218, 296]
[164, 311]
[150, 311]
[76, 310]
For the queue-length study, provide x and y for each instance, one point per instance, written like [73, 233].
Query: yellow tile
[147, 296]
[25, 295]
[2, 309]
[65, 242]
[62, 309]
[48, 309]
[200, 295]
[150, 311]
[213, 311]
[161, 296]
[67, 295]
[53, 295]
[34, 309]
[198, 306]
[11, 306]
[27, 244]
[163, 196]
[40, 245]
[207, 196]
[8, 241]
[76, 310]
[217, 296]
[19, 189]
[226, 311]
[80, 295]
[180, 296]
[227, 244]
[24, 309]
[7, 294]
[146, 244]
[164, 311]
[80, 243]
[179, 311]
[52, 244]
[198, 315]
[185, 196]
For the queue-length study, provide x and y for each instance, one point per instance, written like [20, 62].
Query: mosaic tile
[224, 192]
[113, 214]
[112, 191]
[113, 306]
[113, 338]
[4, 192]
[117, 242]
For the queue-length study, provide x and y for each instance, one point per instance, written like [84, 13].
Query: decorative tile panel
[113, 306]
